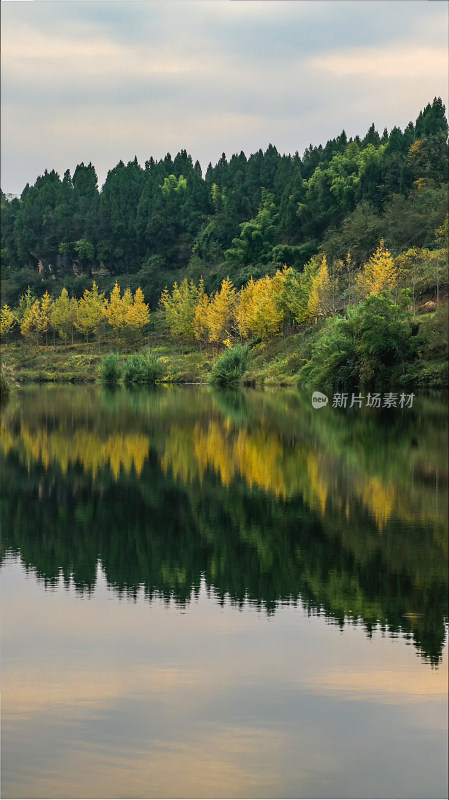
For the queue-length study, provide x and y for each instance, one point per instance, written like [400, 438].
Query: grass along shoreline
[276, 362]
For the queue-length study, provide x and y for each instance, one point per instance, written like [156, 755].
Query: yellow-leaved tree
[220, 312]
[320, 297]
[45, 312]
[90, 311]
[30, 324]
[421, 269]
[258, 312]
[117, 308]
[268, 315]
[25, 303]
[63, 315]
[7, 321]
[377, 274]
[138, 314]
[287, 291]
[180, 308]
[243, 308]
[200, 328]
[306, 278]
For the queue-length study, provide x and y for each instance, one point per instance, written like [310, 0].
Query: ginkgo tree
[257, 311]
[138, 313]
[37, 318]
[64, 314]
[45, 312]
[7, 321]
[378, 273]
[30, 323]
[180, 308]
[320, 297]
[116, 309]
[220, 312]
[90, 311]
[200, 328]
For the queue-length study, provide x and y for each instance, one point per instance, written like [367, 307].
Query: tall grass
[142, 369]
[111, 368]
[4, 387]
[230, 367]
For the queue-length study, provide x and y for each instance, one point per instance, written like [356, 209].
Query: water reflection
[107, 698]
[265, 498]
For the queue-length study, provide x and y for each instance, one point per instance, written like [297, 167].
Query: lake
[222, 594]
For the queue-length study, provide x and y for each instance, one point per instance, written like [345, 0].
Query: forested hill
[246, 216]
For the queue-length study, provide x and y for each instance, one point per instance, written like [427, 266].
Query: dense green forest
[247, 216]
[352, 236]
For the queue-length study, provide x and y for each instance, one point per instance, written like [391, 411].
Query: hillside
[318, 247]
[151, 225]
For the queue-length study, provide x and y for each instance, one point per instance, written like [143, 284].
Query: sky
[103, 81]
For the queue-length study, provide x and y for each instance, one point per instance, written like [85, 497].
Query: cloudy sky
[103, 81]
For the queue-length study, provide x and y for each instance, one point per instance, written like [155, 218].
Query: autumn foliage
[260, 310]
[64, 315]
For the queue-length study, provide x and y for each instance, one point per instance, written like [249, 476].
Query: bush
[230, 367]
[4, 387]
[111, 368]
[142, 369]
[369, 347]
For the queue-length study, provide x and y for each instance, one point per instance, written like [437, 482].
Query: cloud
[406, 62]
[392, 686]
[103, 81]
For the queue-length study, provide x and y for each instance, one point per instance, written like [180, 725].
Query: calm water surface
[218, 594]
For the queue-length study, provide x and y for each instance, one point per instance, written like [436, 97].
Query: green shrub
[142, 369]
[4, 387]
[368, 347]
[111, 368]
[230, 367]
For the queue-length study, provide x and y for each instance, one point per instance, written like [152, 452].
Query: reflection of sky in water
[113, 698]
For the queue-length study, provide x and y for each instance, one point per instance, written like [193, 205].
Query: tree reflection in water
[258, 494]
